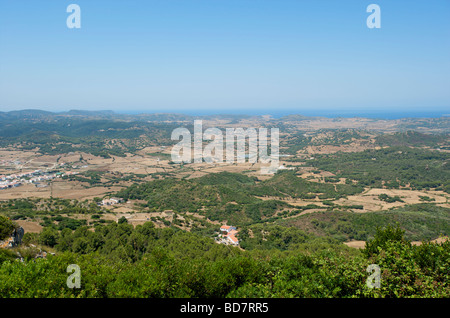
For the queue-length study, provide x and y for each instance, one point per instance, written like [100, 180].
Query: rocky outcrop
[15, 239]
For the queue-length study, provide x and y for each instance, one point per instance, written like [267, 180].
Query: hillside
[382, 187]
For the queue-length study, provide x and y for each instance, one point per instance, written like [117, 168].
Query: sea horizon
[326, 113]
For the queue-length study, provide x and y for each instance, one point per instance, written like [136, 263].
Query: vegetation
[117, 261]
[53, 212]
[103, 135]
[230, 196]
[389, 199]
[412, 138]
[284, 252]
[391, 167]
[6, 227]
[419, 222]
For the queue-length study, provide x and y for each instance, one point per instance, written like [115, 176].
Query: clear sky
[225, 55]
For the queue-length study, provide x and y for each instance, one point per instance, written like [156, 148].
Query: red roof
[233, 238]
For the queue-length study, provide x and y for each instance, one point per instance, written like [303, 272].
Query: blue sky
[225, 55]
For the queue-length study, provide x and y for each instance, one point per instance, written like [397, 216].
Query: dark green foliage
[389, 199]
[411, 139]
[426, 198]
[265, 236]
[396, 166]
[382, 237]
[419, 221]
[295, 143]
[122, 242]
[49, 237]
[7, 255]
[165, 272]
[66, 222]
[122, 220]
[230, 196]
[89, 134]
[408, 270]
[286, 183]
[222, 196]
[53, 212]
[6, 227]
[226, 178]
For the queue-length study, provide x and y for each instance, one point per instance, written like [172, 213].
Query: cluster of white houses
[228, 235]
[37, 176]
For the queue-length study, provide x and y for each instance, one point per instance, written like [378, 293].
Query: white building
[229, 234]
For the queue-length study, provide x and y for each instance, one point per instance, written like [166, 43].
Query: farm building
[229, 234]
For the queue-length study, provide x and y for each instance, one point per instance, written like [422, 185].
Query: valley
[112, 191]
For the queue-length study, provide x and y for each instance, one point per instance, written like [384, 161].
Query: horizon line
[327, 113]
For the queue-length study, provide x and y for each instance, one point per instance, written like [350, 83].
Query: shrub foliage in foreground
[207, 271]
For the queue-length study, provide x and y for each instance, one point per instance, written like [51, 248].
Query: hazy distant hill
[296, 118]
[102, 113]
[40, 114]
[26, 113]
[412, 139]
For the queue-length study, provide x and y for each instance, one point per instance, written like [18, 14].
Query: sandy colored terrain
[356, 244]
[59, 189]
[147, 164]
[368, 124]
[30, 226]
[327, 149]
[439, 240]
[362, 244]
[369, 199]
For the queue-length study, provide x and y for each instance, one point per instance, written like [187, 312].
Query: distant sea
[305, 112]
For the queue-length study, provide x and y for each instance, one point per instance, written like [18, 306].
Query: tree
[122, 220]
[7, 227]
[382, 237]
[49, 237]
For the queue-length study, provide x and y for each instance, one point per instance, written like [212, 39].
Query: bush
[382, 237]
[6, 227]
[122, 220]
[49, 237]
